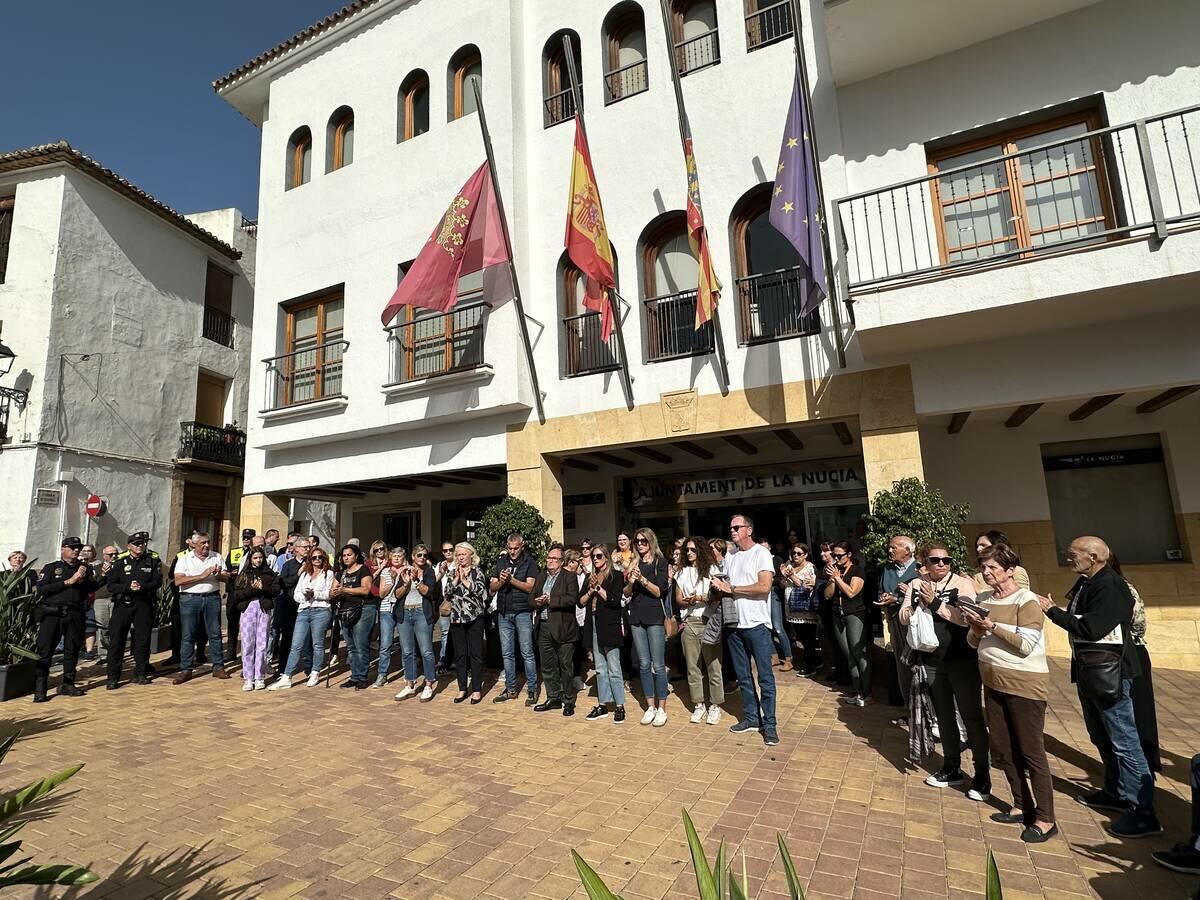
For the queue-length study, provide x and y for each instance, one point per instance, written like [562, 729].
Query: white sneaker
[260, 685]
[698, 714]
[714, 715]
[427, 694]
[407, 691]
[285, 681]
[648, 715]
[660, 718]
[314, 678]
[247, 686]
[379, 682]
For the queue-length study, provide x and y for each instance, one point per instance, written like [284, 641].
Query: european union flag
[795, 204]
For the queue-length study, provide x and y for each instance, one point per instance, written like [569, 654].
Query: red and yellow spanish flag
[587, 236]
[708, 287]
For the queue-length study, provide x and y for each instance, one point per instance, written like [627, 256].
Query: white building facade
[1011, 201]
[131, 329]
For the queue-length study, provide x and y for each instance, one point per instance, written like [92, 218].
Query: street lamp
[7, 358]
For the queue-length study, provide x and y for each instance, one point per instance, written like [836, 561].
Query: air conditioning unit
[47, 497]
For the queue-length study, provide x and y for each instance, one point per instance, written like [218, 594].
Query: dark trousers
[467, 640]
[841, 665]
[1195, 780]
[558, 665]
[807, 634]
[58, 624]
[1016, 726]
[285, 622]
[1144, 714]
[956, 684]
[580, 653]
[127, 615]
[232, 615]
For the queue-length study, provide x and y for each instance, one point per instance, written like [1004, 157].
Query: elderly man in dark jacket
[556, 596]
[1097, 620]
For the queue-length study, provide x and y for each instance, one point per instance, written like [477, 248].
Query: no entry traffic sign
[95, 506]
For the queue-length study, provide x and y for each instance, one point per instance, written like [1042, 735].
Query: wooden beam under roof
[480, 475]
[842, 430]
[1096, 404]
[615, 460]
[789, 439]
[695, 449]
[1020, 414]
[1167, 397]
[740, 443]
[583, 465]
[375, 487]
[957, 421]
[650, 453]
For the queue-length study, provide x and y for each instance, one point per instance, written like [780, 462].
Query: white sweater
[320, 584]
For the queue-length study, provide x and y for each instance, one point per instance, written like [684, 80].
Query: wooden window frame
[8, 206]
[320, 302]
[1005, 140]
[415, 84]
[341, 125]
[298, 146]
[409, 318]
[631, 19]
[460, 71]
[650, 247]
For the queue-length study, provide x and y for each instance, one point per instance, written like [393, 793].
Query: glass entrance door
[833, 520]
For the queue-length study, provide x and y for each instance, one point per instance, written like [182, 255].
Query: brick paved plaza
[204, 791]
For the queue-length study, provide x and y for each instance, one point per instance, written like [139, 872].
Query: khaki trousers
[696, 653]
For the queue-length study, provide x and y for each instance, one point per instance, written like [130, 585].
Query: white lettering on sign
[807, 478]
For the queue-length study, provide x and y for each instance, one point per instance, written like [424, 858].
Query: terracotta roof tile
[62, 152]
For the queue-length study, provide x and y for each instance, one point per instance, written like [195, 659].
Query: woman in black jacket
[254, 592]
[646, 583]
[604, 626]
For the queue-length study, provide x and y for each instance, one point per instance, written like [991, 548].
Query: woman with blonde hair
[415, 615]
[387, 577]
[604, 624]
[646, 588]
[314, 613]
[466, 589]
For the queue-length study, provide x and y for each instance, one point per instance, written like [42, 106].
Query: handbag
[800, 599]
[1098, 674]
[348, 615]
[921, 635]
[670, 623]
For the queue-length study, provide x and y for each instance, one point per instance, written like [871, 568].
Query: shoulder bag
[1098, 673]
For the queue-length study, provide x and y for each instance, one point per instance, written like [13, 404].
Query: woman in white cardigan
[312, 619]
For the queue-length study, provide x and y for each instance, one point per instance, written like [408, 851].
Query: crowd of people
[969, 652]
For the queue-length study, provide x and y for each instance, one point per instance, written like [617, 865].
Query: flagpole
[577, 96]
[684, 130]
[830, 281]
[512, 268]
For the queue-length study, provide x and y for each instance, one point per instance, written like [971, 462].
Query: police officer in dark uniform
[133, 581]
[62, 590]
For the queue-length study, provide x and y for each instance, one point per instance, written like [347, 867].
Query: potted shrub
[160, 634]
[18, 633]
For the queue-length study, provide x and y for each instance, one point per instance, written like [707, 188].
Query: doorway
[402, 529]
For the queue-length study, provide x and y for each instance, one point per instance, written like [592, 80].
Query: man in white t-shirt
[198, 574]
[750, 574]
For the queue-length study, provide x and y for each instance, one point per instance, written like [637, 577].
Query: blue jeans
[443, 625]
[359, 643]
[758, 708]
[1115, 736]
[650, 644]
[416, 632]
[779, 626]
[610, 684]
[519, 624]
[311, 625]
[193, 608]
[387, 634]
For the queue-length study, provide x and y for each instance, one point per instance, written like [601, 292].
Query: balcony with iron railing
[768, 25]
[671, 331]
[699, 52]
[585, 351]
[225, 446]
[304, 378]
[558, 107]
[769, 306]
[437, 345]
[218, 326]
[626, 81]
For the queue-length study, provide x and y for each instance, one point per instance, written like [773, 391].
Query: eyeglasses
[420, 555]
[737, 527]
[839, 555]
[939, 560]
[641, 541]
[597, 556]
[797, 553]
[135, 543]
[447, 549]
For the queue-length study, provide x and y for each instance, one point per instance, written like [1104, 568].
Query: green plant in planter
[511, 516]
[18, 633]
[162, 604]
[22, 871]
[915, 508]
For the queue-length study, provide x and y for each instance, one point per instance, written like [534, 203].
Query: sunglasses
[420, 555]
[136, 544]
[798, 553]
[597, 556]
[691, 550]
[447, 549]
[737, 527]
[641, 541]
[939, 560]
[840, 555]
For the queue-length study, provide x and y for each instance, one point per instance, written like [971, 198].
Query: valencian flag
[795, 205]
[467, 239]
[708, 287]
[587, 236]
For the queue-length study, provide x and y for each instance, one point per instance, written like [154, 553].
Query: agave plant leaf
[30, 794]
[592, 883]
[789, 869]
[23, 653]
[7, 850]
[994, 891]
[719, 869]
[73, 875]
[735, 889]
[7, 743]
[705, 882]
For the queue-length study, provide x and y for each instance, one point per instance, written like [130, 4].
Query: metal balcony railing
[218, 326]
[769, 307]
[1140, 178]
[559, 107]
[768, 25]
[212, 443]
[305, 376]
[437, 344]
[626, 81]
[698, 52]
[586, 352]
[671, 328]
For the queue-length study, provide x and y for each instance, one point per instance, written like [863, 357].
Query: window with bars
[626, 72]
[312, 365]
[557, 97]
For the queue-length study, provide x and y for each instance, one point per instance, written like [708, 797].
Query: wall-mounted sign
[816, 476]
[1138, 456]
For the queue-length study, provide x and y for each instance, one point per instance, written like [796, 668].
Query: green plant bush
[18, 633]
[915, 508]
[511, 516]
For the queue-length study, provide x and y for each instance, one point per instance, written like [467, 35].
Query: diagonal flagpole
[577, 95]
[512, 268]
[684, 131]
[830, 280]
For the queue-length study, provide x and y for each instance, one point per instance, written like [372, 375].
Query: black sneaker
[770, 738]
[945, 777]
[503, 696]
[619, 716]
[112, 685]
[531, 699]
[1135, 825]
[1180, 858]
[568, 709]
[1103, 800]
[598, 713]
[741, 727]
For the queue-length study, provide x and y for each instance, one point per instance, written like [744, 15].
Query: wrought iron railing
[218, 326]
[698, 52]
[1140, 178]
[769, 24]
[671, 330]
[626, 81]
[769, 306]
[559, 107]
[437, 344]
[305, 376]
[586, 350]
[212, 443]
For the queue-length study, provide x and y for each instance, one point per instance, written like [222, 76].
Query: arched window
[339, 139]
[584, 349]
[669, 276]
[696, 41]
[558, 101]
[466, 67]
[625, 68]
[771, 279]
[412, 107]
[299, 158]
[767, 21]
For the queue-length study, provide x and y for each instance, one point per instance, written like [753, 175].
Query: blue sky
[129, 82]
